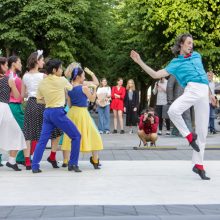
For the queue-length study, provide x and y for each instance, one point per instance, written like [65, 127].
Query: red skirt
[117, 104]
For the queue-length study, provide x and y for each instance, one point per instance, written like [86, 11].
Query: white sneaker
[100, 132]
[159, 132]
[131, 132]
[107, 132]
[168, 133]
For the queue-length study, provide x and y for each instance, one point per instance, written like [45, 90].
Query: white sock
[11, 160]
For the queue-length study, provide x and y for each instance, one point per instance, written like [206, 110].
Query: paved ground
[159, 212]
[133, 184]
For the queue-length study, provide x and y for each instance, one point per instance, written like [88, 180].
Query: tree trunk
[7, 52]
[143, 94]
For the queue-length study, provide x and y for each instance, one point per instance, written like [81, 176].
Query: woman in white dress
[11, 136]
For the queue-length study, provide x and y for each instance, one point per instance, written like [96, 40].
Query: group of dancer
[26, 133]
[45, 116]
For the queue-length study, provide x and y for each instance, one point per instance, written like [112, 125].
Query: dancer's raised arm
[154, 74]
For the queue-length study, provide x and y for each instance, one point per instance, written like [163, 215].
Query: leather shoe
[95, 165]
[28, 167]
[114, 131]
[74, 168]
[201, 173]
[13, 166]
[64, 165]
[36, 171]
[193, 143]
[53, 163]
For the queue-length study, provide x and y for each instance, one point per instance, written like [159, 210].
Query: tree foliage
[101, 33]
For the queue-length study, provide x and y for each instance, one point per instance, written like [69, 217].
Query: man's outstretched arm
[154, 74]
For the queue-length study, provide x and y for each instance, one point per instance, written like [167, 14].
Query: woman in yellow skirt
[78, 113]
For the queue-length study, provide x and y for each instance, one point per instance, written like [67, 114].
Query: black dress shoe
[64, 165]
[36, 171]
[74, 168]
[193, 143]
[122, 132]
[28, 167]
[201, 173]
[13, 166]
[53, 163]
[114, 131]
[95, 165]
[21, 163]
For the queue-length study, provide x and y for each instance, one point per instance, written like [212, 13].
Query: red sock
[33, 146]
[27, 161]
[53, 155]
[200, 167]
[189, 137]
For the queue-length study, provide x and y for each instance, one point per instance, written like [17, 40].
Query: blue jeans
[212, 119]
[104, 118]
[56, 118]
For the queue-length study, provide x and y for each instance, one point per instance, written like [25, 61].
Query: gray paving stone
[120, 155]
[108, 218]
[26, 212]
[151, 210]
[182, 210]
[209, 209]
[135, 155]
[192, 217]
[119, 210]
[58, 211]
[5, 211]
[83, 210]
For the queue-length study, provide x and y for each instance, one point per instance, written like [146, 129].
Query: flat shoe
[13, 166]
[36, 171]
[74, 168]
[53, 163]
[201, 173]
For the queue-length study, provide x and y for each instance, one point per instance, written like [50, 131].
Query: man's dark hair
[12, 59]
[148, 109]
[52, 64]
[180, 39]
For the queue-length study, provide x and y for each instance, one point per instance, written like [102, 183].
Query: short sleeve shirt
[52, 90]
[188, 69]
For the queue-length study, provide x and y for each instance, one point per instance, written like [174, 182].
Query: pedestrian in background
[131, 103]
[103, 105]
[117, 104]
[212, 103]
[161, 104]
[175, 90]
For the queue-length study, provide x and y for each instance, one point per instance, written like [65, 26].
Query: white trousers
[195, 94]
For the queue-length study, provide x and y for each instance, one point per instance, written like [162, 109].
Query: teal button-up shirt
[188, 69]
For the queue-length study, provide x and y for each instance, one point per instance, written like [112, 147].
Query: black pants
[159, 111]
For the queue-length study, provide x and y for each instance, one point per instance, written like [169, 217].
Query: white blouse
[32, 81]
[104, 91]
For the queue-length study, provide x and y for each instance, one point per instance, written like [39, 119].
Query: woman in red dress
[117, 105]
